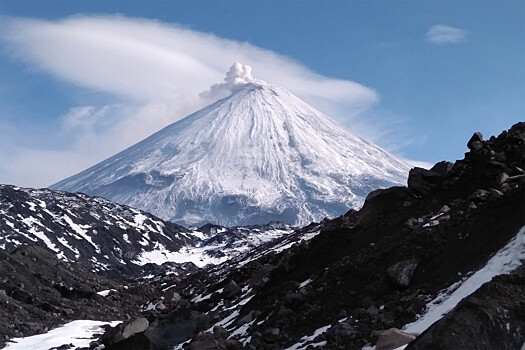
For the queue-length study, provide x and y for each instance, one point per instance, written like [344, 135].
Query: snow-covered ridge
[259, 155]
[76, 227]
[103, 235]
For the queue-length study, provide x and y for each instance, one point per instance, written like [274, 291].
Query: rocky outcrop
[392, 339]
[124, 331]
[401, 272]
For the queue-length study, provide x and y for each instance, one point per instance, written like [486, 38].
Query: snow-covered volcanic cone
[258, 155]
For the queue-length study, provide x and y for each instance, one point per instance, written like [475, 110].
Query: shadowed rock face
[491, 318]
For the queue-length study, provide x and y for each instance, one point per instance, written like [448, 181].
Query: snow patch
[79, 333]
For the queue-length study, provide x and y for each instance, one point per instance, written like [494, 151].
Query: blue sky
[89, 78]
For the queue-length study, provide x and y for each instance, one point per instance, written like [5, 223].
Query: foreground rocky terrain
[357, 280]
[368, 271]
[39, 292]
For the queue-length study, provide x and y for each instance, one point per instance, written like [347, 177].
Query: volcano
[260, 154]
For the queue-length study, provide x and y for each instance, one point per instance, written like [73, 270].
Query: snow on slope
[508, 259]
[91, 230]
[259, 155]
[79, 333]
[103, 235]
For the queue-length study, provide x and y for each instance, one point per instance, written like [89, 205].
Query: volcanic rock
[401, 272]
[392, 339]
[475, 141]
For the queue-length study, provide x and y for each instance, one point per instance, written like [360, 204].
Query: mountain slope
[106, 236]
[100, 234]
[256, 156]
[406, 252]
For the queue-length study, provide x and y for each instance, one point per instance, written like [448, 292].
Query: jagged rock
[176, 327]
[231, 289]
[204, 341]
[172, 296]
[475, 141]
[246, 319]
[124, 331]
[372, 311]
[421, 181]
[233, 344]
[442, 168]
[401, 272]
[502, 178]
[393, 338]
[220, 333]
[444, 209]
[481, 195]
[380, 202]
[271, 334]
[495, 193]
[412, 222]
[387, 318]
[261, 276]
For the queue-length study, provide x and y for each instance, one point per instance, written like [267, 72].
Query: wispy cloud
[152, 61]
[442, 34]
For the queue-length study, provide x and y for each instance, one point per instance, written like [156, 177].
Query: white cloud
[153, 74]
[152, 61]
[442, 34]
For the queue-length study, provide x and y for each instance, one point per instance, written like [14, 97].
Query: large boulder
[422, 181]
[176, 327]
[392, 339]
[231, 289]
[475, 142]
[379, 203]
[204, 341]
[124, 331]
[442, 168]
[401, 272]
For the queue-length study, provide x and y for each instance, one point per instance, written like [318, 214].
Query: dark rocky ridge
[446, 224]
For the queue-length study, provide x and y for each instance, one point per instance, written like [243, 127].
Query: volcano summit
[258, 155]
